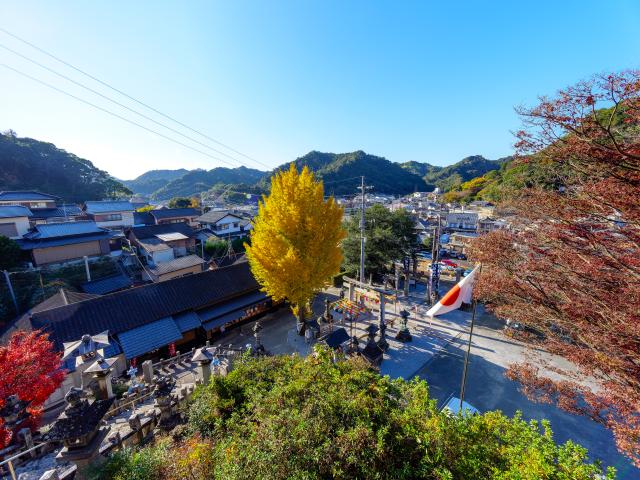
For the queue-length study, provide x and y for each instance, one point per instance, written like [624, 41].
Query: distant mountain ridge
[153, 180]
[454, 175]
[28, 164]
[341, 171]
[198, 181]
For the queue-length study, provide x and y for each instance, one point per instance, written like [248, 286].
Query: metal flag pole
[466, 356]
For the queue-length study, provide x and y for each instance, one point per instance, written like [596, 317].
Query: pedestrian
[307, 336]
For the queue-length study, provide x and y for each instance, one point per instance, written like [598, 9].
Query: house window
[111, 217]
[235, 224]
[223, 226]
[8, 230]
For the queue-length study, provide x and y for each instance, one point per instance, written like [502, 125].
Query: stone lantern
[101, 372]
[163, 401]
[403, 334]
[14, 412]
[203, 358]
[372, 352]
[79, 428]
[259, 348]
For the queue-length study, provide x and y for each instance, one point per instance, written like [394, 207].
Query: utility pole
[362, 225]
[435, 268]
[13, 295]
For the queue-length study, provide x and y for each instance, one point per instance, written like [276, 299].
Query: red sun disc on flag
[451, 296]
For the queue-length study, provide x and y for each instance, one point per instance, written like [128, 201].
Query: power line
[131, 98]
[117, 103]
[115, 114]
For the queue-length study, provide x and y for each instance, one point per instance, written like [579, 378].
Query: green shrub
[290, 417]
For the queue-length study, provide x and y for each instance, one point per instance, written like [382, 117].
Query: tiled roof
[105, 285]
[24, 195]
[109, 206]
[153, 245]
[10, 211]
[163, 213]
[187, 321]
[61, 211]
[176, 264]
[64, 229]
[214, 216]
[134, 307]
[148, 337]
[48, 235]
[152, 231]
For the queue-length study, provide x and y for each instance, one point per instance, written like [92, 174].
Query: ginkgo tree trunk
[295, 242]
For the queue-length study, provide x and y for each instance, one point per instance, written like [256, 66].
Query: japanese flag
[461, 292]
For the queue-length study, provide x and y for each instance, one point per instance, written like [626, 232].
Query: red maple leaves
[570, 266]
[30, 368]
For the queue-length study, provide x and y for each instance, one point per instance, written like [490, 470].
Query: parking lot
[488, 389]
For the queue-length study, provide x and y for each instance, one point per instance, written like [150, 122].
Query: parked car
[450, 263]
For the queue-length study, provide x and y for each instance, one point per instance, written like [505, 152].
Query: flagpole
[466, 356]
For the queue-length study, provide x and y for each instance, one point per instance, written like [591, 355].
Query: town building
[462, 221]
[113, 214]
[143, 322]
[226, 224]
[162, 243]
[52, 243]
[14, 221]
[176, 215]
[177, 267]
[28, 198]
[61, 213]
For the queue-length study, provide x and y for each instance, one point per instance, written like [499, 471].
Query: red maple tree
[30, 368]
[570, 264]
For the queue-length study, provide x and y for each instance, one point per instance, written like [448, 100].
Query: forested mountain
[341, 172]
[451, 176]
[153, 180]
[196, 181]
[28, 164]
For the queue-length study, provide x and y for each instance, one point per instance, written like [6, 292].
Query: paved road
[488, 389]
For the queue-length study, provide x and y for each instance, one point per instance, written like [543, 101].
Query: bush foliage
[288, 417]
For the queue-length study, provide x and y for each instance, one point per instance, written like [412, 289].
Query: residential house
[14, 221]
[176, 215]
[226, 224]
[167, 250]
[113, 214]
[178, 267]
[462, 221]
[61, 213]
[143, 321]
[28, 198]
[175, 239]
[488, 224]
[63, 242]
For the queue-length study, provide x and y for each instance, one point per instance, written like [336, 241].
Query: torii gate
[352, 283]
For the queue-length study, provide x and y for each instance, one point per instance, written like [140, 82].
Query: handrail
[134, 401]
[9, 461]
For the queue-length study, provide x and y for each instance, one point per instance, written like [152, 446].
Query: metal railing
[9, 461]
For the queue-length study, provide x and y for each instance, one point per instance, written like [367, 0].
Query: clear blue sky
[427, 81]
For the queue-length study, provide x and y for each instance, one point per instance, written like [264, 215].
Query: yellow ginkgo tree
[295, 242]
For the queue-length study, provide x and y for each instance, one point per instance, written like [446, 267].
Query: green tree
[389, 236]
[180, 202]
[9, 253]
[216, 247]
[288, 417]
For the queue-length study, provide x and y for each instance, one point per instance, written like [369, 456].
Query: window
[223, 226]
[8, 230]
[109, 217]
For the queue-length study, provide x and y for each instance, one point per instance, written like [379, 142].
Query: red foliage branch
[29, 368]
[570, 264]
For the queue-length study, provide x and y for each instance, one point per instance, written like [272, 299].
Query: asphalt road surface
[488, 389]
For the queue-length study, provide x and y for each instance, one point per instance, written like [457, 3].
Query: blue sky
[426, 81]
